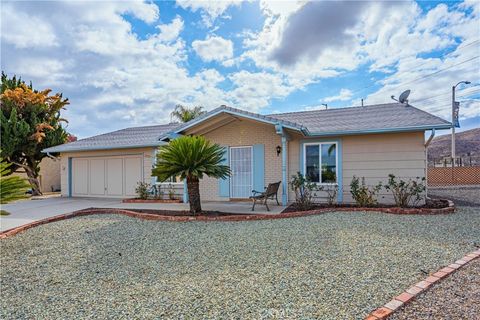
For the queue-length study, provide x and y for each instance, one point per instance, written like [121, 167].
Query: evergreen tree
[30, 122]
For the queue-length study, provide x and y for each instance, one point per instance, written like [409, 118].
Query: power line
[422, 64]
[467, 45]
[422, 77]
[436, 72]
[464, 93]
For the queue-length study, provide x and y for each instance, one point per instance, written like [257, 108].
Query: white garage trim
[105, 176]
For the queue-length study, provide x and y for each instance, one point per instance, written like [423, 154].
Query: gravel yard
[462, 196]
[336, 265]
[456, 297]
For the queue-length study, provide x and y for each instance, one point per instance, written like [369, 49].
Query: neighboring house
[49, 176]
[329, 146]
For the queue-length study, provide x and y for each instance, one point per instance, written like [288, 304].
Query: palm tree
[185, 114]
[190, 158]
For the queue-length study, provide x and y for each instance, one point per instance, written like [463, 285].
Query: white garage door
[106, 176]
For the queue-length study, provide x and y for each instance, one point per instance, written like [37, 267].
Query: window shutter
[224, 184]
[259, 167]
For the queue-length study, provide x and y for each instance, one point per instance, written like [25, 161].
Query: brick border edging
[411, 293]
[149, 216]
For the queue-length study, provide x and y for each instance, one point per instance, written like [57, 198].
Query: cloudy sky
[129, 63]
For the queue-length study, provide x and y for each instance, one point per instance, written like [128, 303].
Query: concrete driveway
[26, 211]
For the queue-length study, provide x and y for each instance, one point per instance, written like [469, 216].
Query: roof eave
[80, 149]
[387, 130]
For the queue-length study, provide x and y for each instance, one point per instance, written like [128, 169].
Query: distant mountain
[466, 142]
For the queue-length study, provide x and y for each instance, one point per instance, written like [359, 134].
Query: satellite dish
[404, 96]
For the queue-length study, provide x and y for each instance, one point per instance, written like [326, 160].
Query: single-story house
[329, 146]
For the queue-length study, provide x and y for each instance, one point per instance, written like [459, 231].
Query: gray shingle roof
[373, 118]
[389, 117]
[126, 138]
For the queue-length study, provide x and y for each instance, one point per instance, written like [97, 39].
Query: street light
[455, 108]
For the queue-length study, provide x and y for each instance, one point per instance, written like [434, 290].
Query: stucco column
[284, 170]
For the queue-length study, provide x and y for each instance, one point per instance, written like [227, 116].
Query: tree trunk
[33, 179]
[194, 195]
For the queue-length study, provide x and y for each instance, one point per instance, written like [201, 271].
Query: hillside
[466, 142]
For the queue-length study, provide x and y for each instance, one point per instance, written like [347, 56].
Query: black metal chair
[271, 192]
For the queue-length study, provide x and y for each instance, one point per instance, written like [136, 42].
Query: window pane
[312, 163]
[329, 163]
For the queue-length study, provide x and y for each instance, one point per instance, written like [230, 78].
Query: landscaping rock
[456, 297]
[337, 265]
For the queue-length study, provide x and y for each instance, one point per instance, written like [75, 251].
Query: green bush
[142, 190]
[405, 192]
[331, 191]
[364, 195]
[304, 191]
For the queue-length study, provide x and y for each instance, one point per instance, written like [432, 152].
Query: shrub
[332, 191]
[142, 190]
[405, 192]
[363, 195]
[303, 189]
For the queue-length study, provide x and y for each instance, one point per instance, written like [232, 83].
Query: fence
[461, 161]
[448, 176]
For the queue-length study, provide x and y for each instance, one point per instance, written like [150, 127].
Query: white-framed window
[320, 162]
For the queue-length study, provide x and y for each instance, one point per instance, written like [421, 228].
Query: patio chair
[270, 193]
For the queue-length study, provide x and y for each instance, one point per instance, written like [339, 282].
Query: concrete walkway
[26, 211]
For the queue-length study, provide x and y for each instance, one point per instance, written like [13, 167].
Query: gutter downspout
[51, 157]
[430, 138]
[427, 143]
[285, 137]
[284, 171]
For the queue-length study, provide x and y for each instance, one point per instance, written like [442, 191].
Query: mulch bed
[430, 204]
[185, 213]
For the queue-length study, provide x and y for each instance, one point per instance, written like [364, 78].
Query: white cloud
[113, 77]
[171, 31]
[254, 91]
[211, 10]
[24, 30]
[117, 78]
[433, 93]
[213, 48]
[387, 37]
[344, 95]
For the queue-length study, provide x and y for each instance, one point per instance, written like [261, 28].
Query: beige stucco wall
[373, 156]
[49, 174]
[147, 154]
[245, 133]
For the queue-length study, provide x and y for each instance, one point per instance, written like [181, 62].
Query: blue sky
[127, 64]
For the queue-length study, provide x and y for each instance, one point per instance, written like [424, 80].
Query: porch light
[279, 150]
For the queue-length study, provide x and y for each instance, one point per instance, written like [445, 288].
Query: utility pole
[453, 126]
[455, 111]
